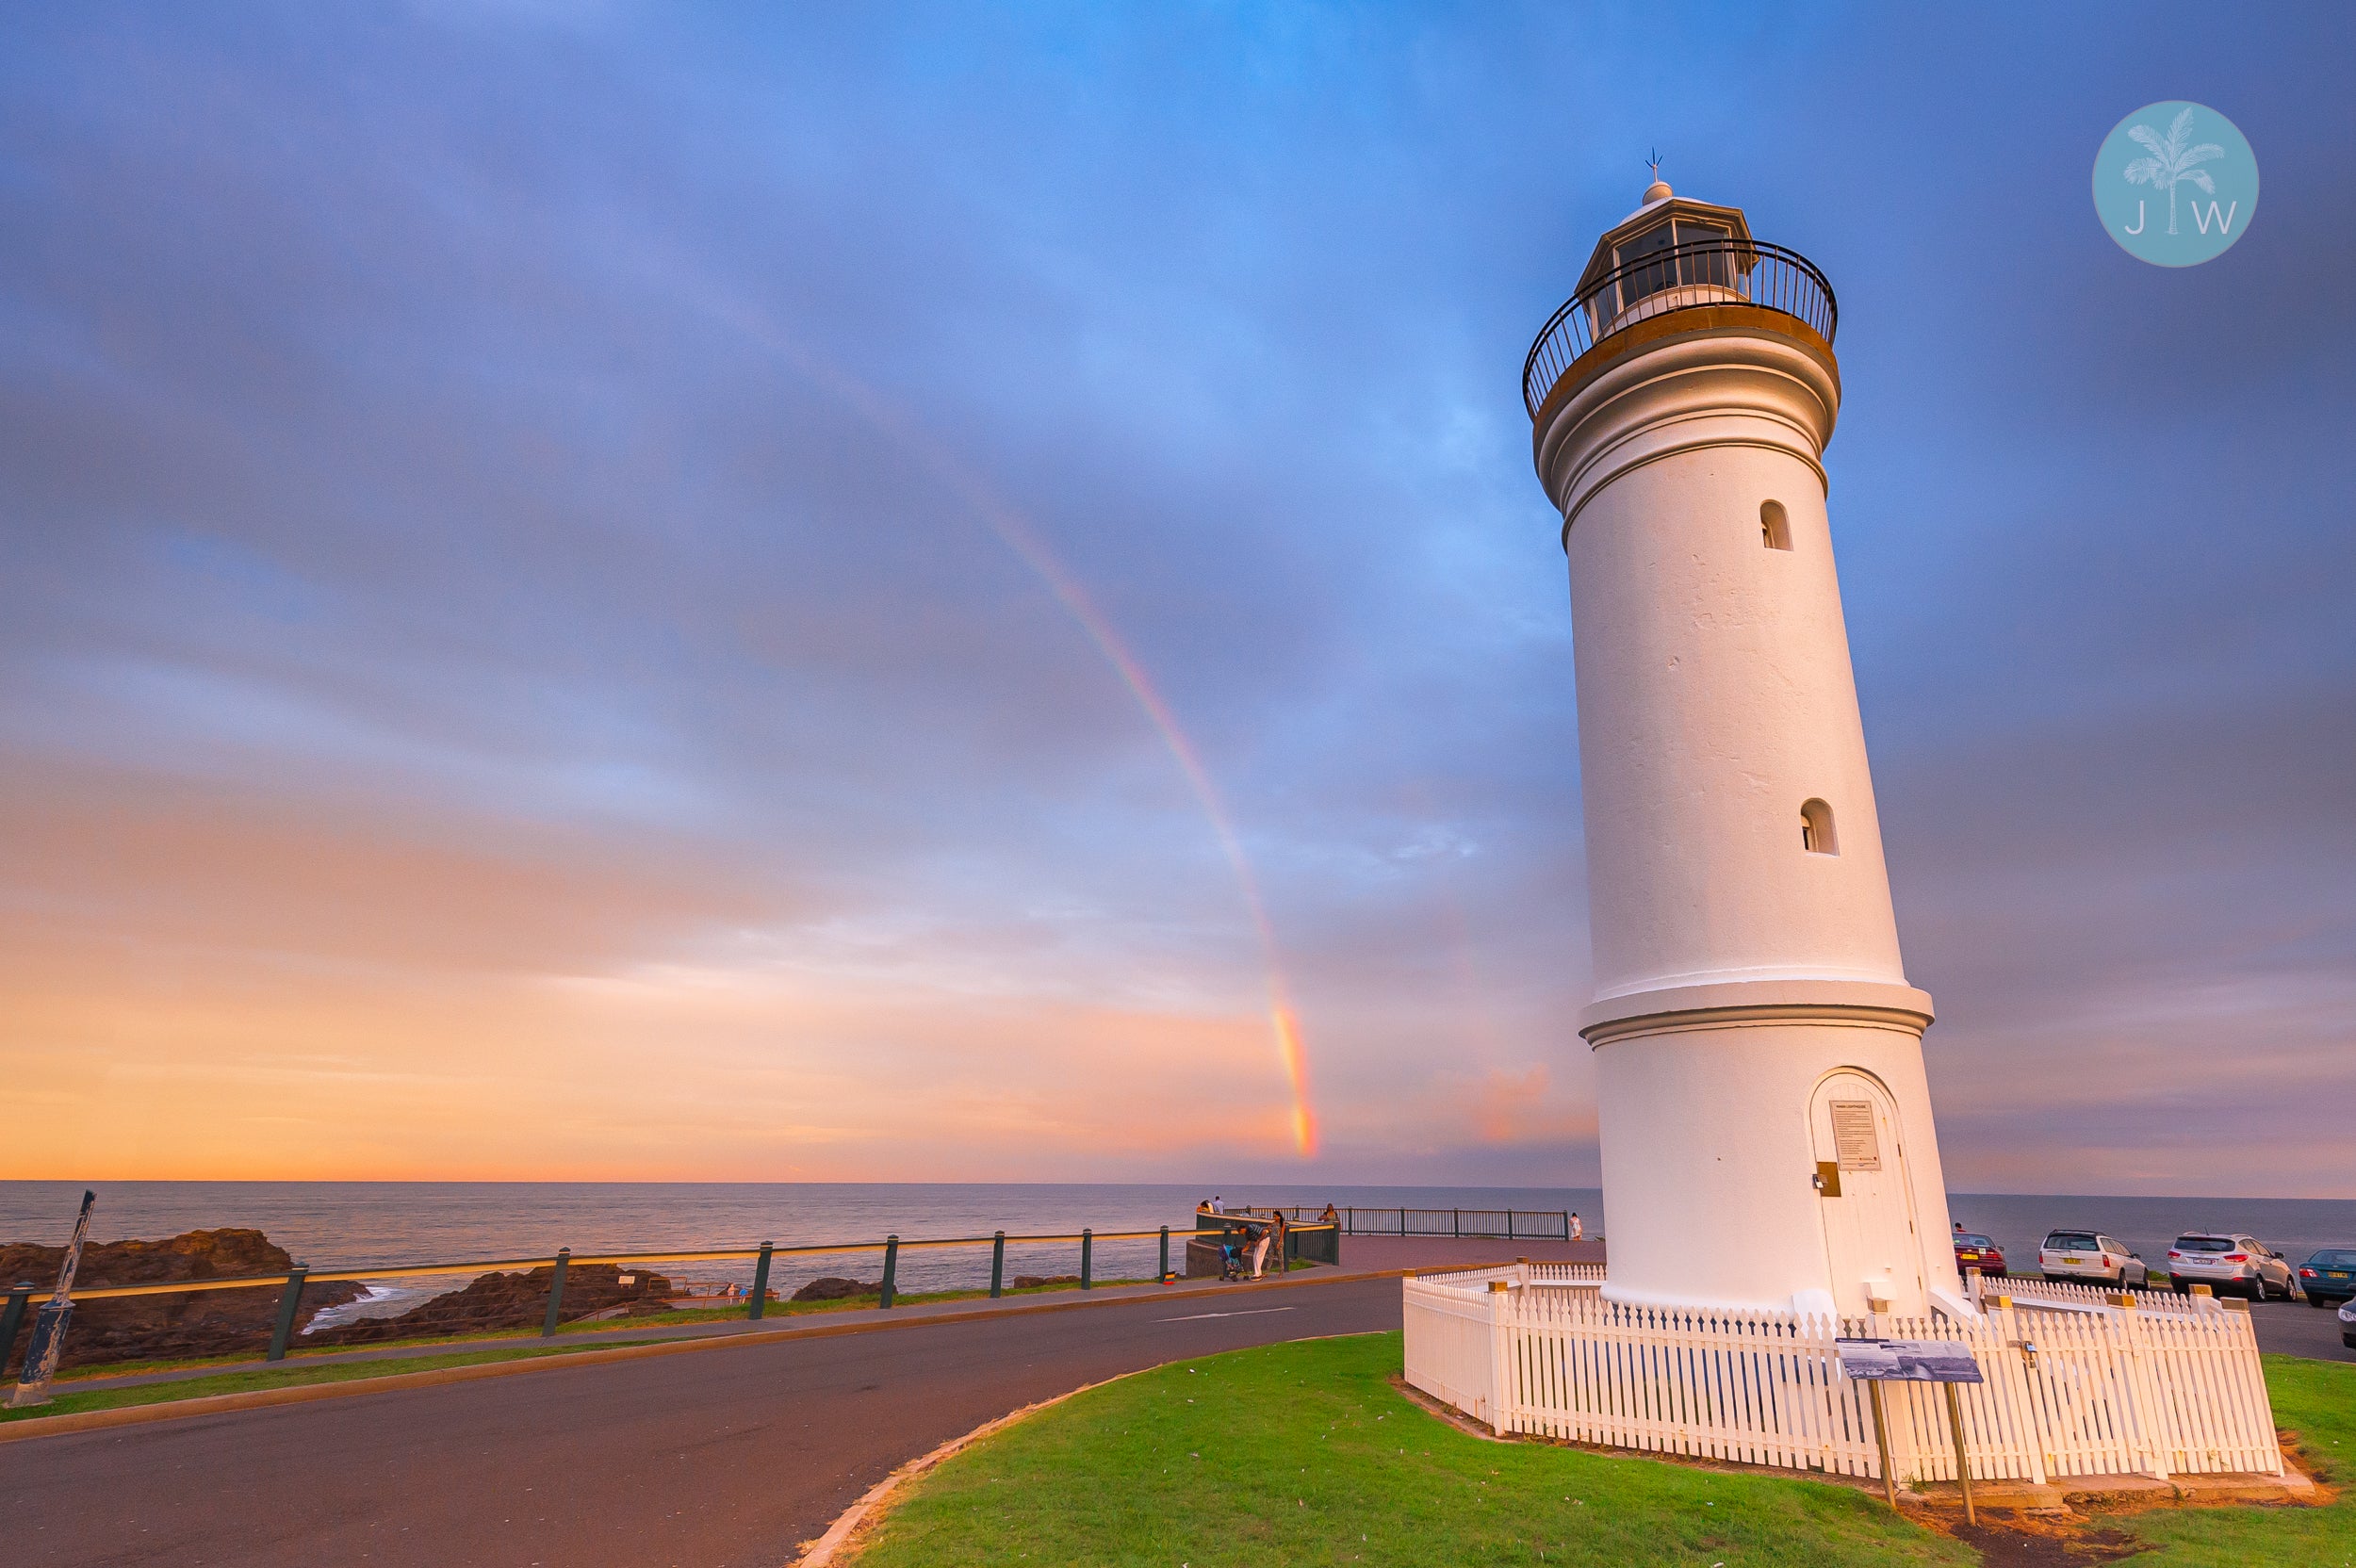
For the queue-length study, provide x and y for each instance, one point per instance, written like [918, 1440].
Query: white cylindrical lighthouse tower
[1765, 1119]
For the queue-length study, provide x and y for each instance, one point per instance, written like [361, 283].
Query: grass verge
[284, 1375]
[1305, 1454]
[697, 1316]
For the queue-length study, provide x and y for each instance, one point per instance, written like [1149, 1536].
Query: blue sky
[512, 661]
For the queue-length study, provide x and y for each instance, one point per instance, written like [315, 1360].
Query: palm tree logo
[2172, 160]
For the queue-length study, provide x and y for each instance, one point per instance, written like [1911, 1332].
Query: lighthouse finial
[1659, 190]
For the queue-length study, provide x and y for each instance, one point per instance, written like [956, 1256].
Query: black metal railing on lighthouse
[1692, 276]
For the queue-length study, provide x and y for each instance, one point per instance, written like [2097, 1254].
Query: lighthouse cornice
[1710, 383]
[1736, 1003]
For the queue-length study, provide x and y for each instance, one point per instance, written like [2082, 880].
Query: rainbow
[1017, 535]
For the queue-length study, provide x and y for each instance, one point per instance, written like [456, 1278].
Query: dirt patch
[2034, 1544]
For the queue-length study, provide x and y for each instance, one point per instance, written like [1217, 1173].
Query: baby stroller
[1230, 1257]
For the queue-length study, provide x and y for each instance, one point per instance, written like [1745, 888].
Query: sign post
[1876, 1361]
[48, 1341]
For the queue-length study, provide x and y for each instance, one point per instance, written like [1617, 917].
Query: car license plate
[2073, 1259]
[2335, 1274]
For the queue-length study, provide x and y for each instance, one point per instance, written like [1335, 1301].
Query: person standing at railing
[1218, 1205]
[1578, 1230]
[1330, 1216]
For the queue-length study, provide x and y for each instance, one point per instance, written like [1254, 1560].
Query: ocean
[357, 1224]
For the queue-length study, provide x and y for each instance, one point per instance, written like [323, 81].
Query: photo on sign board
[1923, 1361]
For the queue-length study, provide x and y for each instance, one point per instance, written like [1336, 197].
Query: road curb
[822, 1552]
[264, 1399]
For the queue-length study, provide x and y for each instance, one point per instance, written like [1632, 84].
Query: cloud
[496, 672]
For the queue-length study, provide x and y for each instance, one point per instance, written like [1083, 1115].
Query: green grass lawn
[284, 1375]
[1305, 1454]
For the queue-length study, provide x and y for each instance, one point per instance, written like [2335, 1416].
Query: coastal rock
[166, 1327]
[834, 1288]
[517, 1300]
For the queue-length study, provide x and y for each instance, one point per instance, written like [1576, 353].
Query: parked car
[2227, 1260]
[1975, 1251]
[2329, 1276]
[2089, 1255]
[2348, 1324]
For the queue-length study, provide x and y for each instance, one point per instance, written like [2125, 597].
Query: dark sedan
[1974, 1250]
[2329, 1276]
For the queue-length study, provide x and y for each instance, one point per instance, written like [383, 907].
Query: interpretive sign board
[1908, 1361]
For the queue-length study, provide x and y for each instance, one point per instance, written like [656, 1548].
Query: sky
[618, 591]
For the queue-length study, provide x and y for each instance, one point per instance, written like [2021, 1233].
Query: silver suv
[2089, 1255]
[2227, 1260]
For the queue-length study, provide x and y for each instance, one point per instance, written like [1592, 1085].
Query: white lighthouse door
[1870, 1240]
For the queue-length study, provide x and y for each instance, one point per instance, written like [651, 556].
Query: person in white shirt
[1578, 1229]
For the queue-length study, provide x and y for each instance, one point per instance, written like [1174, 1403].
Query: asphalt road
[2296, 1329]
[728, 1458]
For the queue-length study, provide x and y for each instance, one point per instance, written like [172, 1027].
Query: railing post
[13, 1319]
[556, 1291]
[1164, 1271]
[289, 1301]
[998, 1265]
[892, 1269]
[1456, 1223]
[761, 1283]
[1509, 1222]
[1088, 1248]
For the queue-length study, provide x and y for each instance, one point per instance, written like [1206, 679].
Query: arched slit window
[1816, 834]
[1775, 526]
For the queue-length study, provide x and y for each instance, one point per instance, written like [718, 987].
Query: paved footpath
[727, 1458]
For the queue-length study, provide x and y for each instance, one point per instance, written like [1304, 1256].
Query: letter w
[2224, 224]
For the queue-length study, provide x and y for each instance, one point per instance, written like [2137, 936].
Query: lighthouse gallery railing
[1691, 276]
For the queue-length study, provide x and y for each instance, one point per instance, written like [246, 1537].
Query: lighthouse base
[1768, 1146]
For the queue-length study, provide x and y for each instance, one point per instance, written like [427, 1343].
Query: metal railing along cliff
[292, 1281]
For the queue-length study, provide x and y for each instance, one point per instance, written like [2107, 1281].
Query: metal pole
[48, 1342]
[1881, 1443]
[556, 1291]
[1088, 1246]
[1164, 1272]
[1963, 1462]
[1509, 1223]
[288, 1301]
[998, 1263]
[1456, 1222]
[13, 1319]
[761, 1283]
[892, 1269]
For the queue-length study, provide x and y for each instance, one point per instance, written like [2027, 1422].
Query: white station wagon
[2089, 1255]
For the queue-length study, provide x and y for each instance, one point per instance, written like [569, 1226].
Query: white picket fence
[2066, 1393]
[2068, 1293]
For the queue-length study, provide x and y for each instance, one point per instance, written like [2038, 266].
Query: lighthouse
[1765, 1119]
